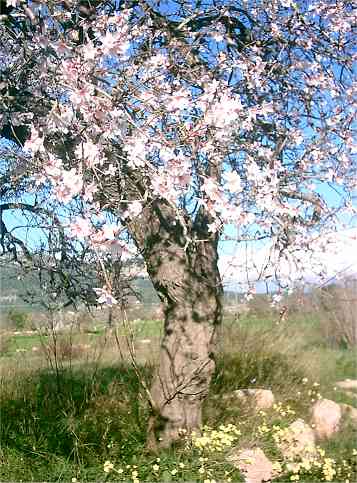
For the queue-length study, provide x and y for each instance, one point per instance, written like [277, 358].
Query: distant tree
[180, 119]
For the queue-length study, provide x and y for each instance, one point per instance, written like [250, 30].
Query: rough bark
[186, 361]
[187, 280]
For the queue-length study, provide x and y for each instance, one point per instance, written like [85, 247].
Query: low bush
[336, 306]
[17, 319]
[62, 348]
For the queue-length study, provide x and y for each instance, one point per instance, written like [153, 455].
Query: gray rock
[298, 440]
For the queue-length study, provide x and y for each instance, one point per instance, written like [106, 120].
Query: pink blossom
[136, 149]
[35, 143]
[178, 101]
[105, 296]
[233, 181]
[134, 209]
[224, 111]
[70, 71]
[111, 170]
[158, 60]
[81, 227]
[69, 186]
[110, 230]
[126, 252]
[90, 152]
[214, 227]
[61, 48]
[159, 186]
[114, 43]
[82, 96]
[265, 108]
[89, 51]
[98, 239]
[53, 168]
[211, 188]
[89, 191]
[108, 42]
[285, 119]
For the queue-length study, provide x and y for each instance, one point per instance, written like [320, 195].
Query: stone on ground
[347, 384]
[253, 464]
[260, 398]
[326, 416]
[298, 440]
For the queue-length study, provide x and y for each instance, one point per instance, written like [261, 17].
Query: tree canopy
[233, 113]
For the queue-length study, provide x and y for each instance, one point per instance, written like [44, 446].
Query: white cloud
[245, 266]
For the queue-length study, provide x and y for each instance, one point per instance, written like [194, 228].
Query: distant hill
[12, 288]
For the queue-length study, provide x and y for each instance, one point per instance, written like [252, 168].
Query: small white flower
[105, 297]
[108, 467]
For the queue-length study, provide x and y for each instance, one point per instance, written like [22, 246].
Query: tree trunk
[181, 259]
[189, 285]
[185, 370]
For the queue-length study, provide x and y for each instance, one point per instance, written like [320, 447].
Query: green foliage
[17, 319]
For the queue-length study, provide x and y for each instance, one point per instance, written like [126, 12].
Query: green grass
[139, 329]
[57, 427]
[72, 418]
[25, 342]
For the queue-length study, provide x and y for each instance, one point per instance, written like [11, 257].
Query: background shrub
[337, 308]
[17, 319]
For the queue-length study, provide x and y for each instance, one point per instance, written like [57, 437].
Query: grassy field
[62, 419]
[25, 342]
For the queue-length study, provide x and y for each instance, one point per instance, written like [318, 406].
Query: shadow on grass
[259, 367]
[244, 370]
[77, 416]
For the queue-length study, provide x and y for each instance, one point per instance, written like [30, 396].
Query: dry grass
[338, 306]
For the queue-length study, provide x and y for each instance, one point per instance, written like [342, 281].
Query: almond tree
[181, 118]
